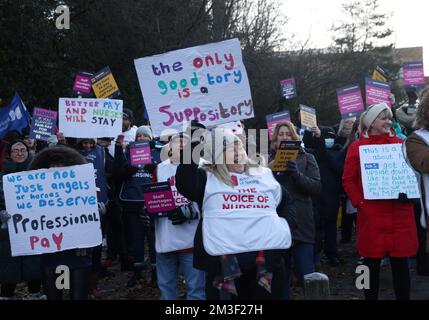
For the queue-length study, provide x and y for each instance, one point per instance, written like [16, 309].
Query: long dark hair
[57, 156]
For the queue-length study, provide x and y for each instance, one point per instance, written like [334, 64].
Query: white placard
[90, 118]
[385, 174]
[207, 83]
[52, 210]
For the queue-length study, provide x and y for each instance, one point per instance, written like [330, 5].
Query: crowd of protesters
[233, 250]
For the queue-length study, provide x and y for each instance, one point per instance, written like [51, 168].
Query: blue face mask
[329, 143]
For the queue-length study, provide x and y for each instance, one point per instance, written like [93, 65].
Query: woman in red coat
[384, 227]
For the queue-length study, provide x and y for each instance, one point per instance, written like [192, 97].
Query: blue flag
[14, 116]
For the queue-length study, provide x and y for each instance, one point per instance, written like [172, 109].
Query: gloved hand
[291, 167]
[177, 217]
[144, 218]
[403, 198]
[102, 208]
[4, 218]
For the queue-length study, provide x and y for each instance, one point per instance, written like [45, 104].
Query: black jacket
[191, 183]
[15, 269]
[331, 165]
[302, 186]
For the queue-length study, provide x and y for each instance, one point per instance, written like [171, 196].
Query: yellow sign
[104, 85]
[379, 76]
[288, 151]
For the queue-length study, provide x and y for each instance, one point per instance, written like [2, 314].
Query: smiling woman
[384, 227]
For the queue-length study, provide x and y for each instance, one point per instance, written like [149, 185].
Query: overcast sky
[315, 17]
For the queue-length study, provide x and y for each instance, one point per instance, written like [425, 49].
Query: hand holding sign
[287, 151]
[52, 210]
[308, 117]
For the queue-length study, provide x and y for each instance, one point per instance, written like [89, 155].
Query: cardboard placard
[44, 124]
[158, 198]
[288, 87]
[90, 118]
[350, 101]
[385, 174]
[274, 119]
[104, 85]
[206, 83]
[82, 84]
[377, 92]
[52, 210]
[140, 154]
[287, 151]
[308, 117]
[414, 75]
[380, 74]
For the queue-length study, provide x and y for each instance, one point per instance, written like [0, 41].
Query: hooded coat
[384, 227]
[15, 269]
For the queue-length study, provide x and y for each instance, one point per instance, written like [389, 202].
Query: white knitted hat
[371, 114]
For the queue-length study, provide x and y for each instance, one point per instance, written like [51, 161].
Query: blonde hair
[288, 125]
[220, 170]
[363, 130]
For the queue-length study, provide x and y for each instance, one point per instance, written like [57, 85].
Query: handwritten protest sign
[414, 74]
[140, 154]
[44, 123]
[104, 85]
[308, 117]
[385, 174]
[82, 84]
[52, 210]
[288, 88]
[158, 198]
[380, 74]
[377, 92]
[274, 119]
[350, 101]
[206, 83]
[90, 118]
[287, 151]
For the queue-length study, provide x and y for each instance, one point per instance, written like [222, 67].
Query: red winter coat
[383, 226]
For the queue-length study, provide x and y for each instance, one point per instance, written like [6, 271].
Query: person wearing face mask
[14, 270]
[330, 158]
[137, 223]
[247, 220]
[302, 180]
[384, 227]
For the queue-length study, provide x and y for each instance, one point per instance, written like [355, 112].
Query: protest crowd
[193, 197]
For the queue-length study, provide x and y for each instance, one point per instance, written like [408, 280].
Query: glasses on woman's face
[19, 151]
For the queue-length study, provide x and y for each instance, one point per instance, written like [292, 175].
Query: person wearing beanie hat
[174, 233]
[246, 215]
[14, 270]
[137, 222]
[128, 130]
[377, 112]
[144, 132]
[384, 227]
[416, 151]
